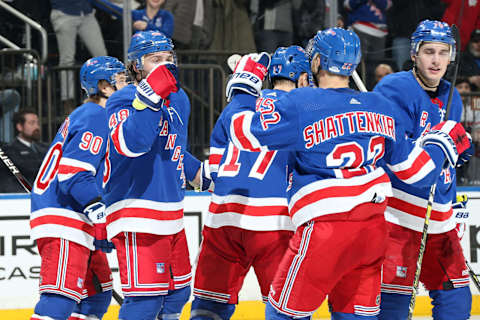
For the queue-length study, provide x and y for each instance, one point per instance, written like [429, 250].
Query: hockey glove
[451, 137]
[465, 156]
[203, 180]
[249, 74]
[96, 213]
[156, 87]
[461, 214]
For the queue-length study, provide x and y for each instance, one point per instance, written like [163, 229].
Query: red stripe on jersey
[145, 213]
[238, 130]
[64, 222]
[65, 169]
[260, 211]
[416, 166]
[336, 191]
[417, 211]
[116, 139]
[215, 158]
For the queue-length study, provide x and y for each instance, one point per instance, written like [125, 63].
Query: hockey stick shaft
[423, 242]
[473, 275]
[28, 188]
[358, 82]
[14, 170]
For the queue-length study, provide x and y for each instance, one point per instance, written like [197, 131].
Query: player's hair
[19, 117]
[95, 98]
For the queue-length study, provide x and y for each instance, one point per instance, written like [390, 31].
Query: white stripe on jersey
[416, 223]
[246, 124]
[64, 232]
[407, 164]
[145, 225]
[122, 143]
[144, 204]
[70, 167]
[331, 205]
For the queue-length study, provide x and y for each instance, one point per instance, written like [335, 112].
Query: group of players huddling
[320, 188]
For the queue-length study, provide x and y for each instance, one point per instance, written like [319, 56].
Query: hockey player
[444, 272]
[247, 224]
[338, 193]
[145, 190]
[67, 217]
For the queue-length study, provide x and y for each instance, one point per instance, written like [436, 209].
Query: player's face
[155, 3]
[150, 61]
[120, 80]
[432, 61]
[30, 130]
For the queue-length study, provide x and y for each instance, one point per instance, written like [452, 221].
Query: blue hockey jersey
[420, 113]
[250, 187]
[336, 137]
[145, 190]
[70, 177]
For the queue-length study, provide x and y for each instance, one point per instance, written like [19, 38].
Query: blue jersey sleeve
[273, 126]
[82, 155]
[191, 166]
[133, 132]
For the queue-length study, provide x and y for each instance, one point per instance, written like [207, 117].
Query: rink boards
[20, 262]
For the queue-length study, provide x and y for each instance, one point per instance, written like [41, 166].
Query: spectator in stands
[152, 17]
[464, 87]
[470, 60]
[184, 12]
[368, 19]
[468, 174]
[26, 151]
[203, 25]
[273, 25]
[149, 16]
[466, 18]
[402, 19]
[232, 28]
[381, 71]
[308, 18]
[69, 18]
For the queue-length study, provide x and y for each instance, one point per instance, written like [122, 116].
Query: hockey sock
[394, 306]
[454, 304]
[55, 306]
[203, 309]
[95, 305]
[141, 308]
[173, 304]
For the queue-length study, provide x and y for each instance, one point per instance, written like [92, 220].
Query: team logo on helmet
[277, 68]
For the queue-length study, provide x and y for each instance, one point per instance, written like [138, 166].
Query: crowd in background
[79, 29]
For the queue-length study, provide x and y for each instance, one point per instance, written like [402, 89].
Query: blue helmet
[99, 68]
[339, 50]
[432, 31]
[145, 42]
[289, 63]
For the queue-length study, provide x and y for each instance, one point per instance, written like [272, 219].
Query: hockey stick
[431, 195]
[14, 170]
[358, 81]
[26, 185]
[474, 277]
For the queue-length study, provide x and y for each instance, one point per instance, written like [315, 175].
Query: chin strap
[424, 84]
